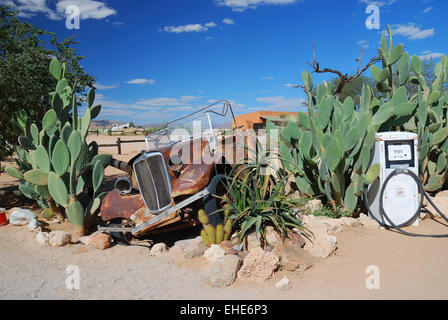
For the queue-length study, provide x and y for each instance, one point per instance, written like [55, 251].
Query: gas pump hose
[423, 194]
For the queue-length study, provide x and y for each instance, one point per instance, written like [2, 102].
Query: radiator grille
[153, 180]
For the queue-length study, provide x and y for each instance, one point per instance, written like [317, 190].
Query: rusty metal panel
[115, 205]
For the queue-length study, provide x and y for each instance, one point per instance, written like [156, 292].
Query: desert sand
[410, 268]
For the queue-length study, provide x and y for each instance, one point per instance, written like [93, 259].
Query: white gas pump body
[395, 150]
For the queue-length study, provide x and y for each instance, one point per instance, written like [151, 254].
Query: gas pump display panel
[399, 152]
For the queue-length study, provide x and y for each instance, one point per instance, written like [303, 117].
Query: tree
[353, 88]
[24, 77]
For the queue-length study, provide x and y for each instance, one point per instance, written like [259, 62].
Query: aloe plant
[56, 165]
[256, 196]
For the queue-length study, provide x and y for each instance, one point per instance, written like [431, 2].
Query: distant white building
[116, 127]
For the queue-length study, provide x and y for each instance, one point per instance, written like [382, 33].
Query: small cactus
[47, 214]
[214, 235]
[203, 217]
[205, 237]
[219, 233]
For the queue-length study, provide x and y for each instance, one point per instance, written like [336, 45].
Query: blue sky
[156, 60]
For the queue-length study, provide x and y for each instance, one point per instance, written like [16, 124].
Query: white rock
[33, 224]
[157, 249]
[441, 202]
[272, 236]
[100, 240]
[85, 240]
[309, 219]
[253, 241]
[368, 222]
[322, 244]
[333, 225]
[183, 244]
[20, 217]
[348, 221]
[283, 283]
[196, 249]
[440, 194]
[59, 238]
[258, 265]
[176, 250]
[223, 271]
[313, 205]
[214, 252]
[42, 238]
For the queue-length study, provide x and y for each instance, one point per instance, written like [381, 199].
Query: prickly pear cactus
[329, 149]
[56, 165]
[423, 113]
[215, 235]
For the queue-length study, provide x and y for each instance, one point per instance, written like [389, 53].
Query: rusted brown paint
[115, 205]
[192, 180]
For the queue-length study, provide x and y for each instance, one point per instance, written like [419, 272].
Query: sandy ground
[410, 268]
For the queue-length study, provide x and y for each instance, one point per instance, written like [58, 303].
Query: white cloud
[210, 24]
[378, 3]
[430, 55]
[182, 101]
[242, 5]
[197, 27]
[145, 110]
[186, 28]
[89, 9]
[228, 21]
[363, 44]
[236, 107]
[100, 86]
[268, 78]
[411, 31]
[427, 9]
[29, 8]
[141, 81]
[282, 102]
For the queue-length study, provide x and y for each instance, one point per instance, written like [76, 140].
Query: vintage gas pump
[395, 150]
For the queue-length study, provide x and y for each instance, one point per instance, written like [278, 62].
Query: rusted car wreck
[178, 174]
